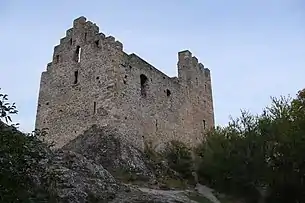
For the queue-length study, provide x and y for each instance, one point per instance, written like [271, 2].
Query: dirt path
[207, 192]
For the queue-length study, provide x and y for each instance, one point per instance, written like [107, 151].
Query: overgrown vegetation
[19, 157]
[259, 156]
[255, 157]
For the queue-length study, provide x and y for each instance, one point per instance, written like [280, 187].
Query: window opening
[77, 54]
[144, 85]
[96, 43]
[75, 77]
[94, 107]
[168, 92]
[204, 124]
[57, 58]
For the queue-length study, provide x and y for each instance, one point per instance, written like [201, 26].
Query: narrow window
[205, 87]
[70, 41]
[85, 36]
[57, 58]
[168, 92]
[144, 85]
[75, 77]
[94, 107]
[156, 125]
[204, 124]
[96, 43]
[204, 104]
[77, 54]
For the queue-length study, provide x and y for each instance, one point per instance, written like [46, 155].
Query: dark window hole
[168, 92]
[75, 77]
[144, 85]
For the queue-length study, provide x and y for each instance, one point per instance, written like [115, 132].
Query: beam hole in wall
[168, 92]
[124, 81]
[163, 77]
[60, 110]
[130, 67]
[47, 103]
[144, 85]
[97, 77]
[125, 76]
[125, 118]
[75, 77]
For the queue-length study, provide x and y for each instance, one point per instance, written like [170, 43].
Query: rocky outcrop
[105, 147]
[71, 178]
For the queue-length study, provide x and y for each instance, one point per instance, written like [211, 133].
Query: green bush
[19, 160]
[259, 156]
[180, 159]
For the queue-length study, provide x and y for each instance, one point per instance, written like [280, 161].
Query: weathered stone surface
[104, 146]
[91, 80]
[73, 178]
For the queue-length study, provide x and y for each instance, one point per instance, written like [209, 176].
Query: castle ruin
[91, 80]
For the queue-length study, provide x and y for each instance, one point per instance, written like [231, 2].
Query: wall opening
[77, 54]
[57, 58]
[71, 41]
[96, 43]
[204, 124]
[75, 77]
[85, 36]
[168, 92]
[144, 85]
[94, 107]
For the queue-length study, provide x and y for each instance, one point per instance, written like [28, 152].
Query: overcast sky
[254, 48]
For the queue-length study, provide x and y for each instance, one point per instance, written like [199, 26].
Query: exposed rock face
[72, 178]
[105, 147]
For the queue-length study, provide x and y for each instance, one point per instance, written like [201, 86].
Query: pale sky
[254, 48]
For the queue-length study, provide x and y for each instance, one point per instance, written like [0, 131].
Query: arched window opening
[144, 85]
[204, 124]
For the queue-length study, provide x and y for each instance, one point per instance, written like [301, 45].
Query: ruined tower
[91, 80]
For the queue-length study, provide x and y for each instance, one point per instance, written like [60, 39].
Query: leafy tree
[259, 155]
[20, 155]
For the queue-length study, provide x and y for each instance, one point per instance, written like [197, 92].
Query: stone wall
[91, 80]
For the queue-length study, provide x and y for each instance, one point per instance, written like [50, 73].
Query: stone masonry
[91, 80]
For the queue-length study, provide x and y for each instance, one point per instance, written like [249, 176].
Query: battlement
[189, 65]
[83, 33]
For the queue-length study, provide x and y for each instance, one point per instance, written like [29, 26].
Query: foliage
[180, 159]
[19, 160]
[259, 155]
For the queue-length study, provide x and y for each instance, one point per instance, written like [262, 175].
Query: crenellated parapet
[81, 34]
[190, 68]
